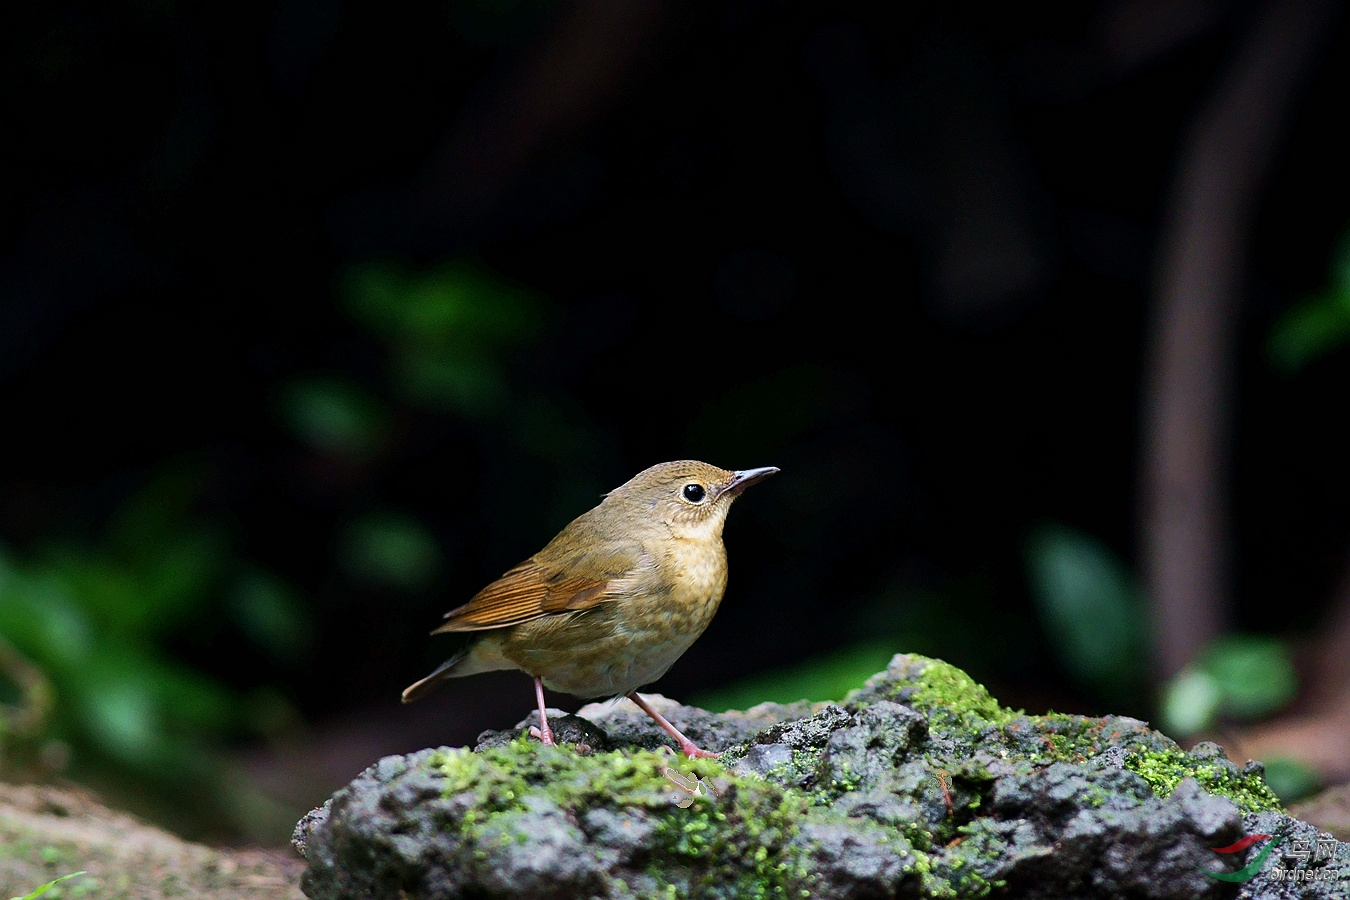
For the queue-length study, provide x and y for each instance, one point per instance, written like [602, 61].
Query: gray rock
[918, 785]
[760, 759]
[854, 862]
[862, 755]
[1293, 868]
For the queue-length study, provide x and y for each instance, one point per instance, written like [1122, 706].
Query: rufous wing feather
[526, 592]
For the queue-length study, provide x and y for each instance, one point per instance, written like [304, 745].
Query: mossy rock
[918, 785]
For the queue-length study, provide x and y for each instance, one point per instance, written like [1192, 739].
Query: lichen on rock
[919, 784]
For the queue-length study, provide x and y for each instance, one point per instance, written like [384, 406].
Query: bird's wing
[534, 589]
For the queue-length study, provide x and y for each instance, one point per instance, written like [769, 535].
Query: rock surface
[918, 785]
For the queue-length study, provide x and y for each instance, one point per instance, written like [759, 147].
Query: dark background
[343, 308]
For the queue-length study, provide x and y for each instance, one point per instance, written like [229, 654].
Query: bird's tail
[446, 670]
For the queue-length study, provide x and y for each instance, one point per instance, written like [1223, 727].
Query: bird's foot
[693, 752]
[546, 736]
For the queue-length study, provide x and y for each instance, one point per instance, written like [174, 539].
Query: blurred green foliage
[93, 674]
[450, 330]
[827, 677]
[97, 621]
[1317, 325]
[1244, 676]
[1290, 779]
[269, 612]
[391, 549]
[1091, 610]
[334, 415]
[453, 332]
[38, 892]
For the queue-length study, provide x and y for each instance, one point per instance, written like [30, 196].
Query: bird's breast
[622, 645]
[696, 573]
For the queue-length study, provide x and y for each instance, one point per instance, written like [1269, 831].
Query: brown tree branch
[1190, 346]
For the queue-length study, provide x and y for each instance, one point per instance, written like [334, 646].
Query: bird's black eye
[693, 493]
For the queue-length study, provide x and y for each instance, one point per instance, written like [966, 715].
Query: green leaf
[450, 330]
[268, 612]
[1191, 702]
[191, 701]
[455, 303]
[48, 886]
[1318, 324]
[149, 595]
[1092, 612]
[38, 615]
[1255, 673]
[186, 569]
[1241, 675]
[392, 549]
[122, 717]
[135, 705]
[451, 379]
[1290, 779]
[372, 292]
[1310, 330]
[334, 415]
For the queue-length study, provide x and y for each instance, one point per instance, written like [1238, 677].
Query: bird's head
[689, 496]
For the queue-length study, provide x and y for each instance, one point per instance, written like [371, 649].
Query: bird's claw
[544, 737]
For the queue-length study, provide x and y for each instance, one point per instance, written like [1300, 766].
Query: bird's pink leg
[687, 747]
[545, 733]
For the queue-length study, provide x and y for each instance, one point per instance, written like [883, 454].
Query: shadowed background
[317, 316]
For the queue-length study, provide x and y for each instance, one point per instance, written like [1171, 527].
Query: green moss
[920, 837]
[1059, 737]
[962, 867]
[946, 686]
[1165, 769]
[734, 844]
[848, 781]
[499, 777]
[944, 691]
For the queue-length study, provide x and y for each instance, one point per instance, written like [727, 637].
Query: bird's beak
[743, 479]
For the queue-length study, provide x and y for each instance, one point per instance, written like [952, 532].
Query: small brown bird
[612, 601]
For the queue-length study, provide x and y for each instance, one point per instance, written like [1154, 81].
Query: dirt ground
[46, 833]
[1329, 811]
